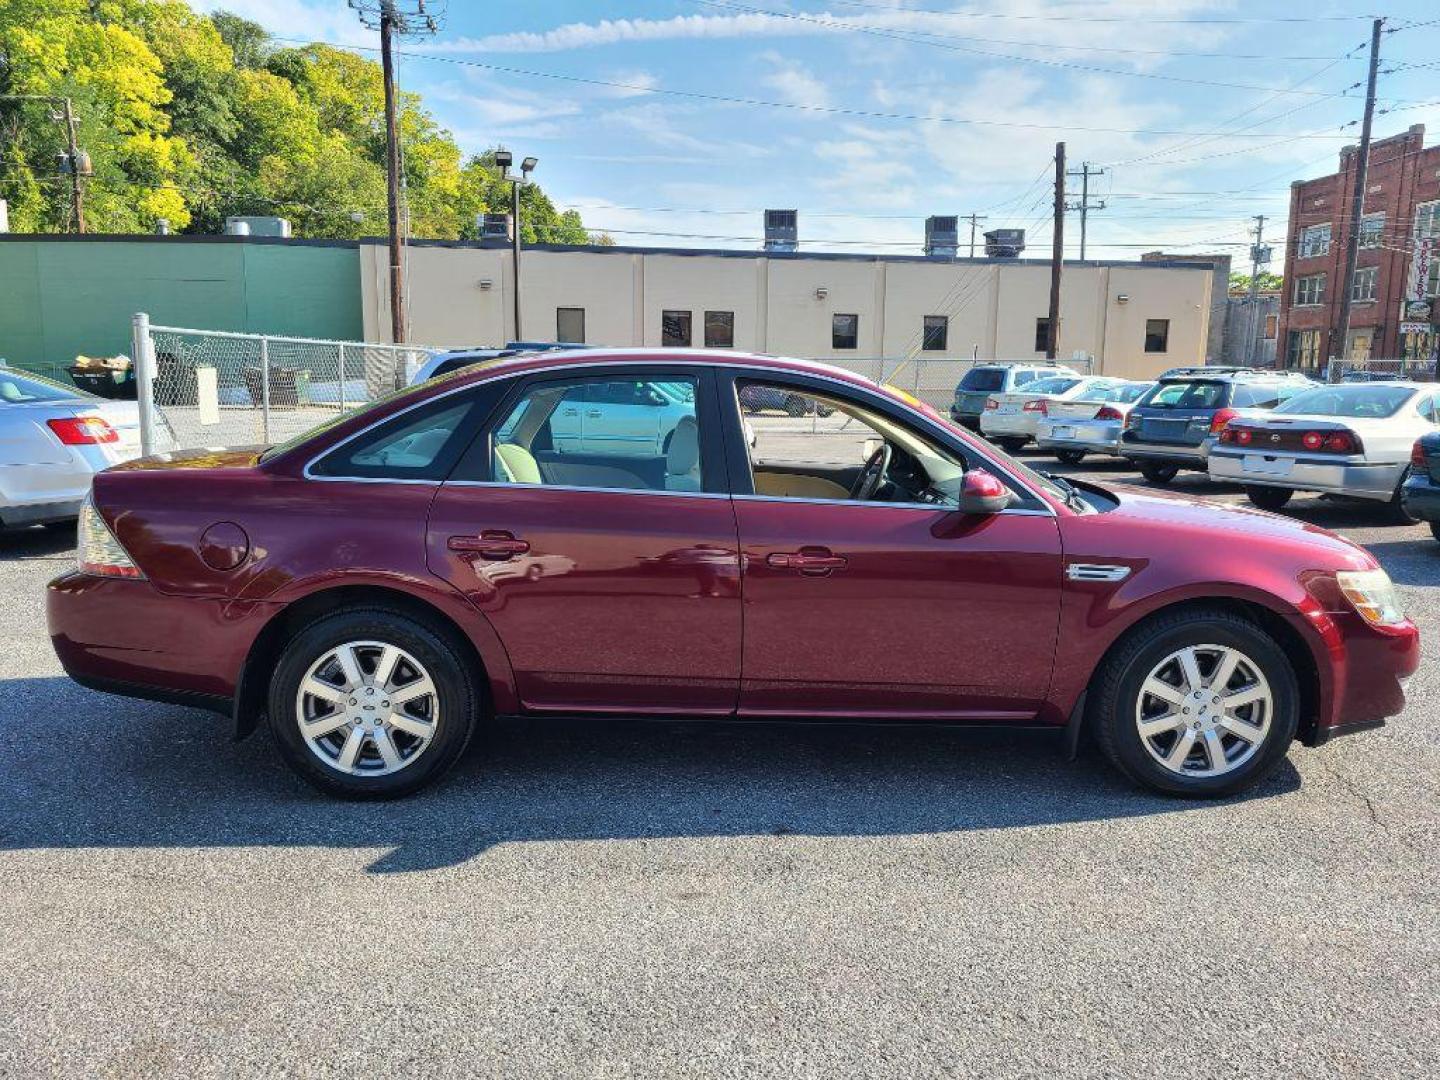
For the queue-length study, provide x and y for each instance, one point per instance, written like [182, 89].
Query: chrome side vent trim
[1096, 572]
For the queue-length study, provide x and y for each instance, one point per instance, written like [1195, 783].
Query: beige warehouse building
[1134, 319]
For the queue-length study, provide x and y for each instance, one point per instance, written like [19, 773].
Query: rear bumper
[39, 513]
[1102, 438]
[46, 492]
[1421, 496]
[1016, 425]
[1186, 457]
[124, 636]
[1355, 479]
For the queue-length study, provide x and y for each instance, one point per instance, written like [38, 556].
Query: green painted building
[62, 296]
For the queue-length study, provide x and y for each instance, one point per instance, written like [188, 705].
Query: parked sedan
[1352, 439]
[1090, 424]
[365, 605]
[1012, 419]
[53, 440]
[981, 381]
[1421, 492]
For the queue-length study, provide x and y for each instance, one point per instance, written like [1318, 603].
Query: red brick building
[1395, 311]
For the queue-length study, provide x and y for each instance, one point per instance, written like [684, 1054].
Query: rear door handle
[594, 414]
[815, 561]
[494, 544]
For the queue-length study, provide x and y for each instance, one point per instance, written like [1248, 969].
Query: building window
[1042, 335]
[1363, 288]
[1157, 335]
[675, 328]
[570, 324]
[844, 331]
[719, 329]
[1272, 323]
[1432, 283]
[1427, 219]
[1314, 240]
[1310, 290]
[1303, 350]
[1372, 230]
[937, 332]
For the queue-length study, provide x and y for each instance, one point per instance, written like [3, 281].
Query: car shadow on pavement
[87, 770]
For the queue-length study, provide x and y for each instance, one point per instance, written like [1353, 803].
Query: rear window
[1187, 394]
[983, 379]
[1356, 401]
[1127, 395]
[23, 389]
[1050, 386]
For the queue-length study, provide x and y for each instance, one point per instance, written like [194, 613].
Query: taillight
[1109, 412]
[991, 404]
[83, 430]
[99, 552]
[1037, 406]
[1221, 418]
[1132, 421]
[1417, 455]
[1312, 440]
[1342, 442]
[1243, 436]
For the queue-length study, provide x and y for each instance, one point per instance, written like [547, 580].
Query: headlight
[1373, 595]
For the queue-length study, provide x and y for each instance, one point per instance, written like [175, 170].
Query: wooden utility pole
[1057, 255]
[1357, 206]
[1256, 250]
[77, 195]
[392, 176]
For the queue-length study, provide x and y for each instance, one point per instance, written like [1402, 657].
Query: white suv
[983, 380]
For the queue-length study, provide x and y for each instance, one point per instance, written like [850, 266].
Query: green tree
[1268, 282]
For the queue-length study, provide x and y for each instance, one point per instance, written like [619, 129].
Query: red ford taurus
[594, 533]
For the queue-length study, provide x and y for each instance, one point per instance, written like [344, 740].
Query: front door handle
[815, 561]
[594, 414]
[495, 544]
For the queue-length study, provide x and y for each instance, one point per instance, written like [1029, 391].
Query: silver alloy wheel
[1204, 710]
[367, 708]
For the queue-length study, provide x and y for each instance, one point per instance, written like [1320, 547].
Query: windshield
[983, 379]
[1050, 386]
[1187, 394]
[1357, 401]
[17, 389]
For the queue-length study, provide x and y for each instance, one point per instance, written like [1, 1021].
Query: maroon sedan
[591, 533]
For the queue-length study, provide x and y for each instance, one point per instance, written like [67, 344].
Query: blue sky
[881, 112]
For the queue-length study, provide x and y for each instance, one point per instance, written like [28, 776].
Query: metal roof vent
[782, 230]
[1004, 243]
[942, 237]
[257, 226]
[494, 226]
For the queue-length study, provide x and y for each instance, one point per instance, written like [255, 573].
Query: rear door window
[983, 379]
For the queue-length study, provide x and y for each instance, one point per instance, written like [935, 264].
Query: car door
[623, 417]
[613, 582]
[893, 609]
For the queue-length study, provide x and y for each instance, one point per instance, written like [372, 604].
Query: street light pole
[503, 160]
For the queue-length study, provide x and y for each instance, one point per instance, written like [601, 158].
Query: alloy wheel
[1204, 710]
[367, 708]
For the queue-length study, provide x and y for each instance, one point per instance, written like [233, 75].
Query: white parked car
[1351, 439]
[1090, 424]
[1012, 419]
[53, 440]
[630, 418]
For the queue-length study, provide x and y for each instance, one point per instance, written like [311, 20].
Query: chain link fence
[1381, 369]
[211, 388]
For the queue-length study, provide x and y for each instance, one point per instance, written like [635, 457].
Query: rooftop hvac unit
[257, 226]
[782, 230]
[1004, 243]
[494, 226]
[942, 237]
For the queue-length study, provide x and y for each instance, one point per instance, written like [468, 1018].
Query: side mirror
[983, 493]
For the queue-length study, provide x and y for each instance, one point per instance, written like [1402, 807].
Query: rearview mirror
[983, 493]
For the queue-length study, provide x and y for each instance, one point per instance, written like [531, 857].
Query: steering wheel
[872, 474]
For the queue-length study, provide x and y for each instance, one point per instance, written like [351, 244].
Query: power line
[1047, 17]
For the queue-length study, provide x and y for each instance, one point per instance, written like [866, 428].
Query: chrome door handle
[494, 544]
[594, 413]
[816, 562]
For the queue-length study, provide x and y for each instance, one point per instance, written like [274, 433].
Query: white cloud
[631, 83]
[793, 82]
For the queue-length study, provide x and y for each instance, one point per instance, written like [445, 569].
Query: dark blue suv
[1421, 491]
[1174, 425]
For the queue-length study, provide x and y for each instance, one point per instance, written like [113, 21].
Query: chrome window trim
[582, 487]
[623, 361]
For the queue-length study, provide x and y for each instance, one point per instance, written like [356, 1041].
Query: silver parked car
[1012, 419]
[1352, 439]
[1090, 424]
[53, 440]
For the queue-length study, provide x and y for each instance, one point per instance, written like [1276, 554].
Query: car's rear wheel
[1396, 510]
[1010, 443]
[1070, 457]
[1201, 704]
[371, 704]
[1157, 473]
[1268, 498]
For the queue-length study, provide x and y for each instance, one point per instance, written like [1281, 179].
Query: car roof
[1232, 374]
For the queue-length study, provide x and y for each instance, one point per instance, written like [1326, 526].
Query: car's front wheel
[1158, 473]
[1268, 498]
[371, 704]
[1202, 704]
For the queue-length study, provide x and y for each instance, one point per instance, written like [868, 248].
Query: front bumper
[1369, 667]
[125, 636]
[1099, 438]
[1345, 476]
[1421, 496]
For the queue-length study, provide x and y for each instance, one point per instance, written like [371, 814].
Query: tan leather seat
[516, 465]
[682, 460]
[791, 486]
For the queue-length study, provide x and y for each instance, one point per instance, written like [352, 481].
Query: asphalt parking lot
[628, 899]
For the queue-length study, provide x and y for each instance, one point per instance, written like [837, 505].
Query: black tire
[1268, 498]
[458, 700]
[1396, 512]
[665, 446]
[1115, 694]
[1157, 472]
[795, 406]
[1070, 457]
[1010, 443]
[1435, 529]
